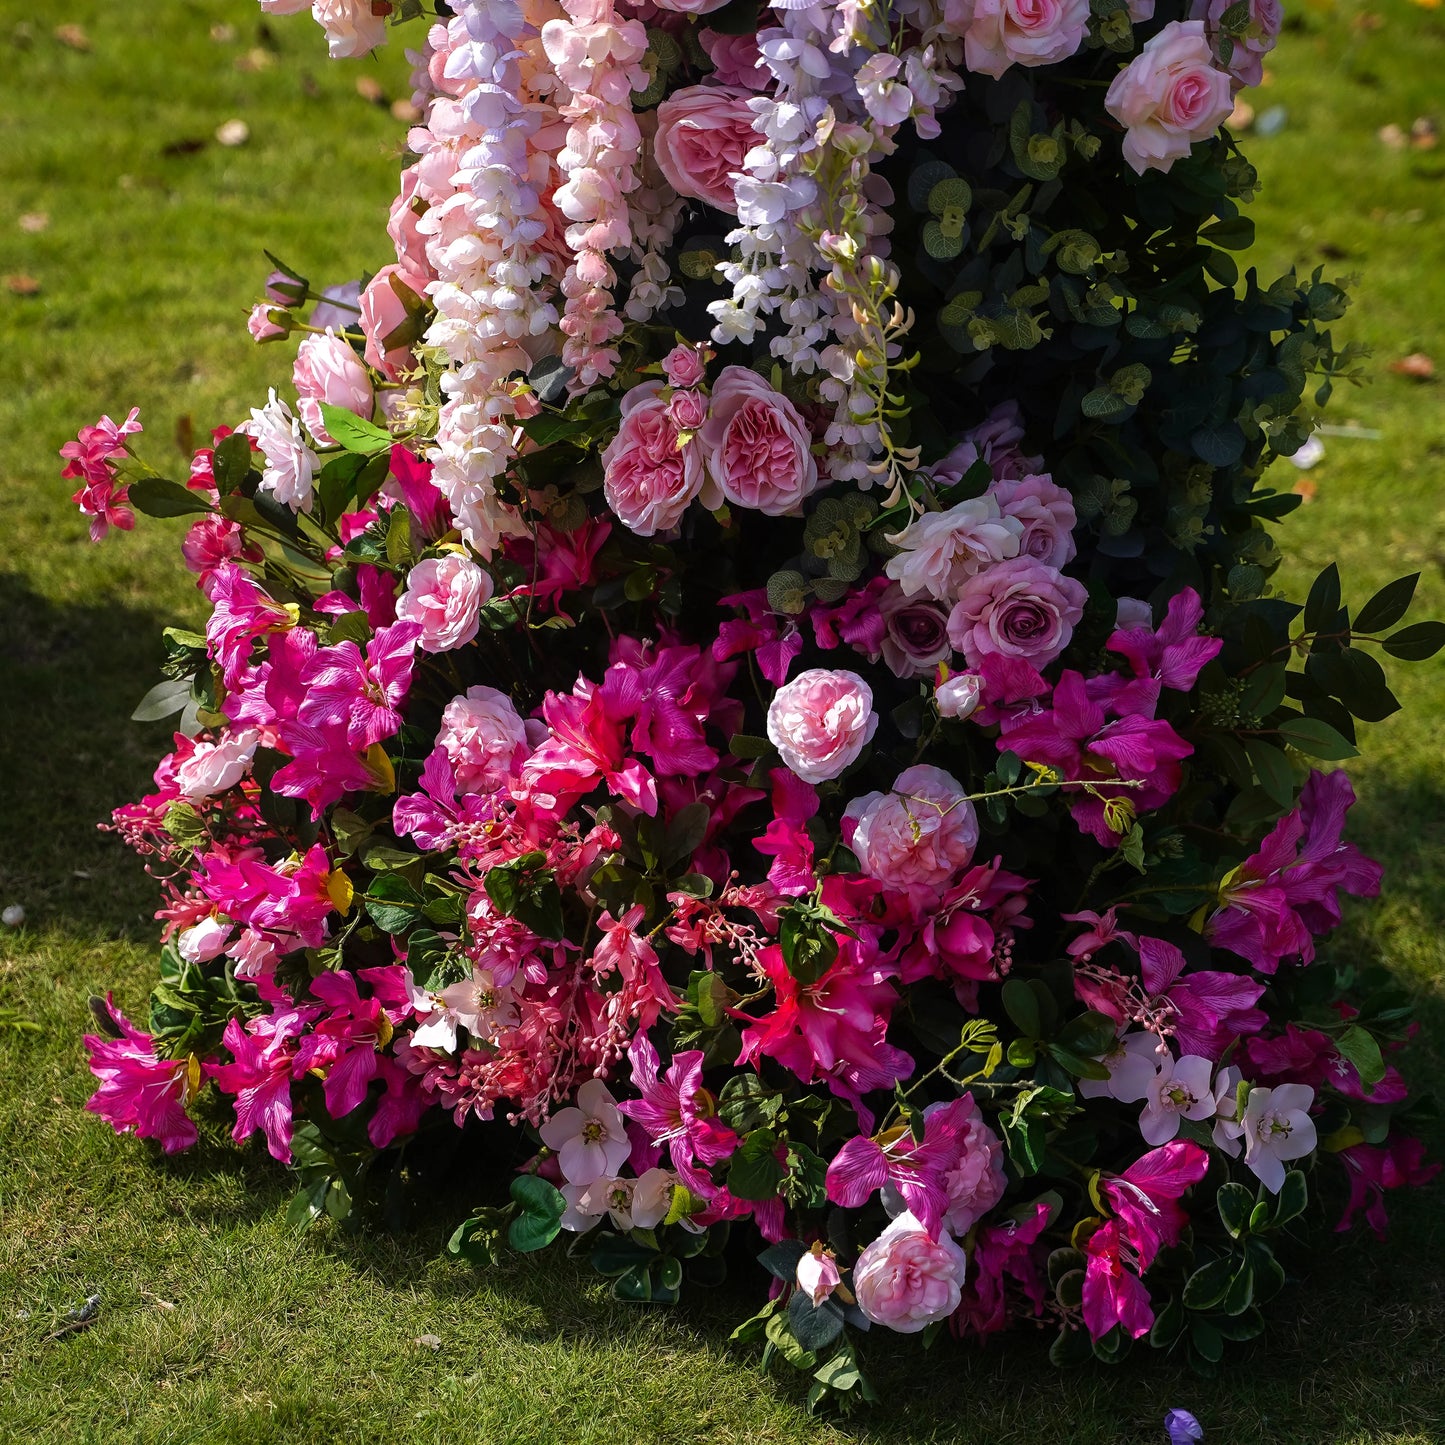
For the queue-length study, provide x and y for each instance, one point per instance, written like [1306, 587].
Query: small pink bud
[818, 1275]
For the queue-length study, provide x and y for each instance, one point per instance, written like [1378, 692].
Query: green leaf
[756, 1171]
[1294, 1195]
[1316, 739]
[392, 903]
[1234, 1203]
[231, 462]
[1207, 1286]
[1388, 605]
[1272, 769]
[540, 1221]
[1417, 642]
[814, 1328]
[1360, 1048]
[781, 1259]
[163, 700]
[1236, 233]
[349, 431]
[157, 497]
[1323, 602]
[1022, 1006]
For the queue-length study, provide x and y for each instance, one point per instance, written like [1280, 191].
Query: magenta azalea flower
[677, 1111]
[140, 1092]
[260, 1077]
[363, 695]
[1171, 657]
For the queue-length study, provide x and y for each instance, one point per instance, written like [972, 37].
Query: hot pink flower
[774, 641]
[343, 1043]
[1171, 657]
[905, 1279]
[1144, 1198]
[363, 695]
[786, 839]
[1002, 1252]
[703, 133]
[1018, 608]
[1113, 1293]
[264, 1053]
[821, 722]
[676, 1110]
[649, 477]
[1372, 1169]
[759, 450]
[324, 766]
[140, 1092]
[240, 613]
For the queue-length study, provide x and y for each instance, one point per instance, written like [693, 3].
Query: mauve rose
[215, 766]
[261, 326]
[445, 596]
[916, 637]
[1246, 60]
[758, 447]
[339, 306]
[1169, 96]
[1024, 32]
[382, 312]
[821, 721]
[703, 133]
[351, 27]
[1020, 608]
[939, 551]
[285, 290]
[958, 695]
[484, 737]
[328, 370]
[647, 479]
[919, 836]
[905, 1281]
[683, 367]
[1047, 514]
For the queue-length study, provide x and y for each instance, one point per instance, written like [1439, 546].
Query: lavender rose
[1020, 608]
[916, 639]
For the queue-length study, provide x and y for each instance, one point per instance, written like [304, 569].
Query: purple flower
[1182, 1427]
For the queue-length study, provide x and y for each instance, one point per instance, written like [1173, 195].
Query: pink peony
[821, 721]
[1046, 513]
[1246, 59]
[905, 1281]
[940, 551]
[1169, 96]
[328, 370]
[1001, 33]
[484, 736]
[444, 595]
[919, 836]
[649, 477]
[703, 133]
[382, 311]
[758, 447]
[1018, 609]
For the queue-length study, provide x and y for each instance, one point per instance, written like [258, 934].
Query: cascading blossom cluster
[583, 753]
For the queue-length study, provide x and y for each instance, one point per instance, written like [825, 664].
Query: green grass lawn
[216, 1322]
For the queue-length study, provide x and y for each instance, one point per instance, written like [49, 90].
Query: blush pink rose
[1046, 512]
[328, 370]
[687, 409]
[976, 1181]
[958, 695]
[920, 836]
[1246, 60]
[352, 28]
[1023, 32]
[683, 367]
[703, 133]
[736, 60]
[445, 596]
[485, 739]
[382, 311]
[648, 478]
[1169, 96]
[261, 326]
[905, 1281]
[1020, 608]
[401, 225]
[758, 448]
[215, 766]
[821, 721]
[939, 551]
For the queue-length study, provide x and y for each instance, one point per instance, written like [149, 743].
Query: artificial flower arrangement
[744, 695]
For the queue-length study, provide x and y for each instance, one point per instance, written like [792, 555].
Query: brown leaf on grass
[185, 435]
[1392, 137]
[1417, 366]
[1424, 133]
[255, 59]
[406, 112]
[19, 284]
[368, 87]
[33, 222]
[1307, 489]
[186, 146]
[73, 37]
[223, 34]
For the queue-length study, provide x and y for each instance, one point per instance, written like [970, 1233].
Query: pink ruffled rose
[736, 60]
[382, 311]
[1046, 513]
[905, 1281]
[648, 476]
[485, 738]
[758, 448]
[821, 721]
[939, 551]
[976, 1181]
[445, 596]
[351, 27]
[1246, 59]
[1023, 32]
[703, 133]
[328, 370]
[1019, 608]
[683, 367]
[920, 836]
[1169, 96]
[687, 410]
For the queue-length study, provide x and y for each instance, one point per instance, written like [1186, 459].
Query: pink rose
[817, 1274]
[285, 289]
[261, 325]
[905, 1281]
[703, 133]
[683, 367]
[758, 447]
[996, 440]
[958, 695]
[1023, 32]
[215, 766]
[382, 311]
[919, 836]
[647, 477]
[1246, 60]
[401, 226]
[1169, 96]
[691, 7]
[351, 27]
[821, 721]
[939, 551]
[1019, 608]
[485, 738]
[687, 410]
[1047, 514]
[915, 639]
[328, 370]
[976, 1181]
[445, 596]
[736, 60]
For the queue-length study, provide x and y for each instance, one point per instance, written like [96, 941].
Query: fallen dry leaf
[1424, 133]
[255, 59]
[233, 133]
[1417, 366]
[428, 1342]
[73, 37]
[406, 112]
[223, 34]
[19, 284]
[1306, 488]
[34, 221]
[186, 146]
[1392, 137]
[368, 87]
